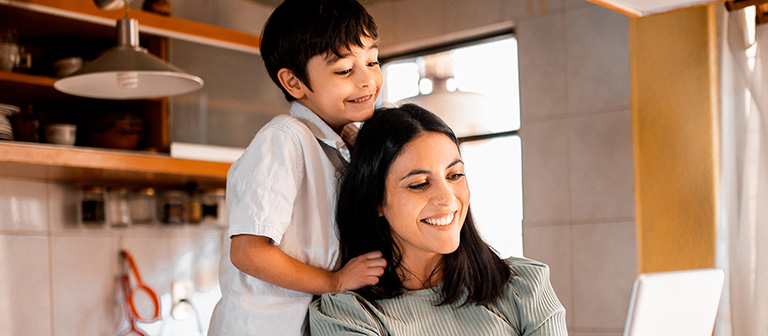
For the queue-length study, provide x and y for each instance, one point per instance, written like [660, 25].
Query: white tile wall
[25, 287]
[22, 206]
[546, 171]
[577, 160]
[597, 43]
[602, 175]
[604, 269]
[85, 293]
[62, 279]
[542, 57]
[63, 208]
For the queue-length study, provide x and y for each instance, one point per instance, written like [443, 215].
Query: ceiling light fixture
[127, 71]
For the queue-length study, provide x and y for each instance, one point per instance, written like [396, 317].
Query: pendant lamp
[127, 71]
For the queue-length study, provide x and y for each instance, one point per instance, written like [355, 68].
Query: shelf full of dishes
[131, 125]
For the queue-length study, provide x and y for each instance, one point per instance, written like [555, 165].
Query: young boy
[281, 192]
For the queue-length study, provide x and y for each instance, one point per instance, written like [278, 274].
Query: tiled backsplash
[60, 278]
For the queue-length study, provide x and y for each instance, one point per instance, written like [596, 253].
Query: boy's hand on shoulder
[361, 271]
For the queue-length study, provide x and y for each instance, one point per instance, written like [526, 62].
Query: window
[473, 86]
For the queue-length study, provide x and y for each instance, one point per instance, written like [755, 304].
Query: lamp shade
[128, 71]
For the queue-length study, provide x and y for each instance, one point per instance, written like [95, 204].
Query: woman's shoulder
[346, 301]
[347, 311]
[528, 276]
[345, 296]
[524, 263]
[534, 299]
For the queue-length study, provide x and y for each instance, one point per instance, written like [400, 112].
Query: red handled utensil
[129, 294]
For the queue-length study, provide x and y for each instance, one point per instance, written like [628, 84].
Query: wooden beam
[675, 120]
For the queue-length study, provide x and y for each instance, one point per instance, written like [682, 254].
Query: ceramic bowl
[67, 66]
[61, 134]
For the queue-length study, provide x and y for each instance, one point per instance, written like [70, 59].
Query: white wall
[58, 277]
[578, 196]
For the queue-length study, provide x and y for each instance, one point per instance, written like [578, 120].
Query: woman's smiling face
[426, 197]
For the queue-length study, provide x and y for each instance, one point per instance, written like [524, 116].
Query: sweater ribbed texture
[528, 306]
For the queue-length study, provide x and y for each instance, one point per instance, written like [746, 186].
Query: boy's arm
[258, 257]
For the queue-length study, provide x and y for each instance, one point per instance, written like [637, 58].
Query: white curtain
[743, 224]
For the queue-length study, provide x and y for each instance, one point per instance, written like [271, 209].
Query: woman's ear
[291, 83]
[381, 213]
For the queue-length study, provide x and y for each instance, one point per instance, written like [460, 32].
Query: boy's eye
[373, 63]
[343, 72]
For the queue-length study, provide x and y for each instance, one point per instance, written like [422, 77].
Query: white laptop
[679, 303]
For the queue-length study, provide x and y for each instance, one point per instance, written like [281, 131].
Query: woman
[405, 194]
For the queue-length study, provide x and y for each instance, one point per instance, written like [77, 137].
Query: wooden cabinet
[56, 28]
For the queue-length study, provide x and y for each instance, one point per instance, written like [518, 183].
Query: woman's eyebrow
[422, 171]
[415, 172]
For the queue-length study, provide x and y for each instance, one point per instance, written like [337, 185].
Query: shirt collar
[322, 131]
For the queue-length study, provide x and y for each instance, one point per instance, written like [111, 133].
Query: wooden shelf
[149, 23]
[23, 87]
[90, 166]
[25, 79]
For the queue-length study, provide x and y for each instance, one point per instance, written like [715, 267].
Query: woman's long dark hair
[473, 268]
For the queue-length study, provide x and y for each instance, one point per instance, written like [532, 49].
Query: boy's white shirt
[282, 187]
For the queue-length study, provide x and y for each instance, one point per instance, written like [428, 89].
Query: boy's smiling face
[344, 89]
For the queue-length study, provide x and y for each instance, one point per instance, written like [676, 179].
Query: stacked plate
[6, 111]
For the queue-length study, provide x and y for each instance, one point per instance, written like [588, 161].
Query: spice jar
[174, 207]
[143, 206]
[92, 207]
[195, 207]
[118, 213]
[213, 206]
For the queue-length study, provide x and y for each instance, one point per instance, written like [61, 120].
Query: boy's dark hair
[473, 269]
[300, 29]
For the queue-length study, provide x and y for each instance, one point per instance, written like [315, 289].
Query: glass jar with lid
[174, 207]
[92, 211]
[214, 207]
[118, 213]
[143, 204]
[194, 208]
